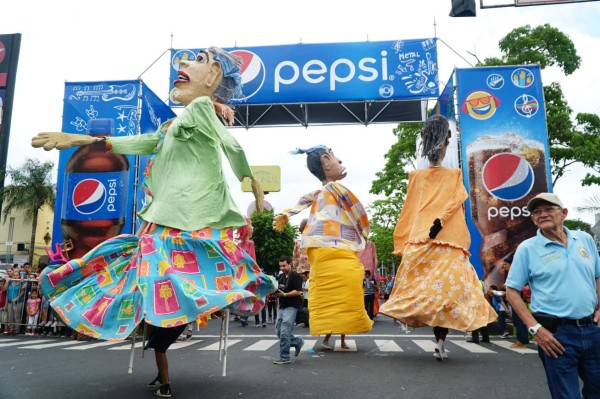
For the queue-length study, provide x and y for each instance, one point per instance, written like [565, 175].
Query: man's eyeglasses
[548, 210]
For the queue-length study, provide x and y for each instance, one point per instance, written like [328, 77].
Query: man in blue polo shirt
[562, 268]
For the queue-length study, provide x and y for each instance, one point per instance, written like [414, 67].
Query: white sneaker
[444, 353]
[440, 351]
[54, 324]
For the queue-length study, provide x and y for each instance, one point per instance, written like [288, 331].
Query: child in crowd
[33, 311]
[43, 310]
[501, 307]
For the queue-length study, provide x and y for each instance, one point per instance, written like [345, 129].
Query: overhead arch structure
[340, 113]
[331, 84]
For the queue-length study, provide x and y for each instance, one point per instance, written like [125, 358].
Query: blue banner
[331, 72]
[96, 188]
[505, 158]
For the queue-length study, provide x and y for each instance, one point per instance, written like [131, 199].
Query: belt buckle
[582, 322]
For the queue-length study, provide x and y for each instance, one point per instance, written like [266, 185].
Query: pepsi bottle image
[95, 195]
[505, 172]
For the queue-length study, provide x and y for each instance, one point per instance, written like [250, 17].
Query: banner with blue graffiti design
[331, 72]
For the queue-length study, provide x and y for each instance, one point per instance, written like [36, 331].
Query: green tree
[269, 244]
[570, 143]
[383, 238]
[587, 141]
[544, 45]
[576, 224]
[392, 182]
[30, 188]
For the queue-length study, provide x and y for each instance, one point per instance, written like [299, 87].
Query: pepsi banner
[331, 72]
[504, 142]
[98, 187]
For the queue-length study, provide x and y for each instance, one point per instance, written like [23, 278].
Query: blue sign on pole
[506, 162]
[331, 72]
[97, 198]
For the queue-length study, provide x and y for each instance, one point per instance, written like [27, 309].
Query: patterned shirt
[337, 219]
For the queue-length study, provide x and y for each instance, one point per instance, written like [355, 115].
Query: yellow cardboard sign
[268, 176]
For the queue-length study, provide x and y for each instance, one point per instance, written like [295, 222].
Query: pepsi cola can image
[505, 172]
[95, 195]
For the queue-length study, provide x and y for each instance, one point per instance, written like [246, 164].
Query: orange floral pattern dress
[435, 284]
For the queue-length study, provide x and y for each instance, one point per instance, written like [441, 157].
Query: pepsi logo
[89, 196]
[507, 176]
[386, 90]
[253, 73]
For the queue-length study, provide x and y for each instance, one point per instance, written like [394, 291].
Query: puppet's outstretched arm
[259, 194]
[281, 220]
[60, 141]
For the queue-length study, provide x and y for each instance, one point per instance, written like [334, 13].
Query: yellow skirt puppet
[335, 298]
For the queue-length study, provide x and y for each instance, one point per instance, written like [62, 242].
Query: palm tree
[30, 188]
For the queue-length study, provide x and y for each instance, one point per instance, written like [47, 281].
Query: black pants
[263, 316]
[485, 335]
[370, 304]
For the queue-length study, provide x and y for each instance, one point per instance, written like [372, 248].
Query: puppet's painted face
[333, 166]
[198, 77]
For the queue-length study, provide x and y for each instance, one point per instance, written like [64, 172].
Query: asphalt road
[386, 363]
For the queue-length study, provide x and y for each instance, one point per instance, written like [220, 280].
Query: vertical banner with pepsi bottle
[505, 158]
[97, 187]
[94, 200]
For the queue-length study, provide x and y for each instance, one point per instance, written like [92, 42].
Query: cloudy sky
[75, 41]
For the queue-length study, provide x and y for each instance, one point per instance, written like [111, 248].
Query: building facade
[15, 237]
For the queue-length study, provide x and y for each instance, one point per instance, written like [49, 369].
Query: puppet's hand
[280, 222]
[60, 141]
[225, 112]
[435, 228]
[259, 195]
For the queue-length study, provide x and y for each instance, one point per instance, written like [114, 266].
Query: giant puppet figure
[336, 231]
[435, 283]
[183, 264]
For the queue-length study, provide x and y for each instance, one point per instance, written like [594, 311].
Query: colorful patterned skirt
[437, 286]
[166, 276]
[335, 295]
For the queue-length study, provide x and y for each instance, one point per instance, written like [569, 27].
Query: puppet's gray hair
[231, 84]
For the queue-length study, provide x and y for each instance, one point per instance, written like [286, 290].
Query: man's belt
[578, 322]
